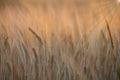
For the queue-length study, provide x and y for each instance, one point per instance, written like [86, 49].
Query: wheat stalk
[36, 64]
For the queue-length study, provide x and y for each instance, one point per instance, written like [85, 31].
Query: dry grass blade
[36, 35]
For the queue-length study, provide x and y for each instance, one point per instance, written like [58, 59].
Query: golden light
[118, 1]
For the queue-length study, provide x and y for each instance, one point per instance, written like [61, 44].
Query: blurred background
[59, 40]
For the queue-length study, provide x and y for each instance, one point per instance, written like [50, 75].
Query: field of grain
[59, 40]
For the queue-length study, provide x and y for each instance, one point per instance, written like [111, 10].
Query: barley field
[59, 40]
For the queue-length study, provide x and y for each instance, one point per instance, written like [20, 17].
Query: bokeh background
[59, 40]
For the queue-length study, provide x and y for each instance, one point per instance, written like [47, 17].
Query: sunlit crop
[59, 40]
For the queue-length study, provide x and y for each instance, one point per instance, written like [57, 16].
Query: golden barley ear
[110, 34]
[36, 35]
